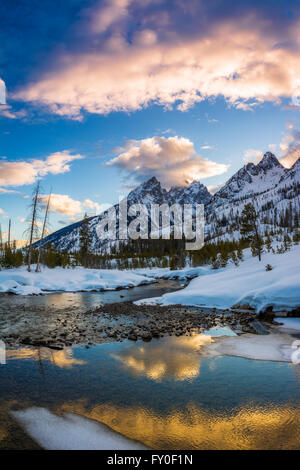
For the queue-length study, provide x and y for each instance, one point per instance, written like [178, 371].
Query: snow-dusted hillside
[249, 283]
[273, 189]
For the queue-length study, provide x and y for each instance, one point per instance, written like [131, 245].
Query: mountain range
[273, 189]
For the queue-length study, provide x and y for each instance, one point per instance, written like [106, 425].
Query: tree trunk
[43, 234]
[33, 220]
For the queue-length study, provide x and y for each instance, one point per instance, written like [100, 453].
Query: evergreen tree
[250, 229]
[85, 240]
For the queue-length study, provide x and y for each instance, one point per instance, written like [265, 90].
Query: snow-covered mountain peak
[149, 192]
[268, 162]
[268, 184]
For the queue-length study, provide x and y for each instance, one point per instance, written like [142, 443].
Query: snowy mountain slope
[249, 284]
[270, 187]
[273, 189]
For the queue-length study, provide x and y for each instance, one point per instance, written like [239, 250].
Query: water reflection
[166, 394]
[251, 427]
[166, 358]
[61, 359]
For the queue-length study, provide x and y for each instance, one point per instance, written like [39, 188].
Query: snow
[71, 432]
[249, 283]
[19, 281]
[273, 347]
[166, 273]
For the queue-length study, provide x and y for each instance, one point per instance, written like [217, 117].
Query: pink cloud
[173, 160]
[237, 60]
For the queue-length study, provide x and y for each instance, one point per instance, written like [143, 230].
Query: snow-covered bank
[273, 347]
[71, 432]
[19, 281]
[249, 283]
[183, 274]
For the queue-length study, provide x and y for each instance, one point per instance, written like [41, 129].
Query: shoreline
[119, 321]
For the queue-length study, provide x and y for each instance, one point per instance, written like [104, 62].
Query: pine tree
[224, 259]
[250, 229]
[234, 258]
[269, 243]
[240, 253]
[85, 240]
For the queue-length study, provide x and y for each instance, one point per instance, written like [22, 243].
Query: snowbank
[273, 347]
[19, 281]
[249, 283]
[166, 273]
[71, 432]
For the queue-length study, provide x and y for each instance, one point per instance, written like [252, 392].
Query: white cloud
[172, 160]
[237, 60]
[7, 191]
[252, 156]
[91, 205]
[65, 205]
[21, 172]
[214, 188]
[290, 146]
[206, 147]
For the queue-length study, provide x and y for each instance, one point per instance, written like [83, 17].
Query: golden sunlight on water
[248, 428]
[172, 358]
[62, 359]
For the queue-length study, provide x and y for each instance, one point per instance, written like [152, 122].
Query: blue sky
[179, 90]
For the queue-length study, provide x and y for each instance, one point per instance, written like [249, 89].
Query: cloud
[91, 205]
[252, 156]
[21, 172]
[172, 160]
[1, 211]
[7, 191]
[65, 205]
[95, 207]
[214, 188]
[105, 16]
[290, 146]
[141, 56]
[8, 112]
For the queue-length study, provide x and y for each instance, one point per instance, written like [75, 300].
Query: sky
[97, 96]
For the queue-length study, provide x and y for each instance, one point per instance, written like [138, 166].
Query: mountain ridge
[267, 184]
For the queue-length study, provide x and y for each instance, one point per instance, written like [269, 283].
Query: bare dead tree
[9, 230]
[43, 233]
[1, 240]
[33, 221]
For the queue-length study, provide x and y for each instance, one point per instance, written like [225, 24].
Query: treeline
[135, 254]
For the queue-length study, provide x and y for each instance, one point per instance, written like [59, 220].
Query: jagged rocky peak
[149, 191]
[195, 193]
[269, 161]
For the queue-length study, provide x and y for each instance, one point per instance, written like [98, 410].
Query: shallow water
[88, 300]
[165, 394]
